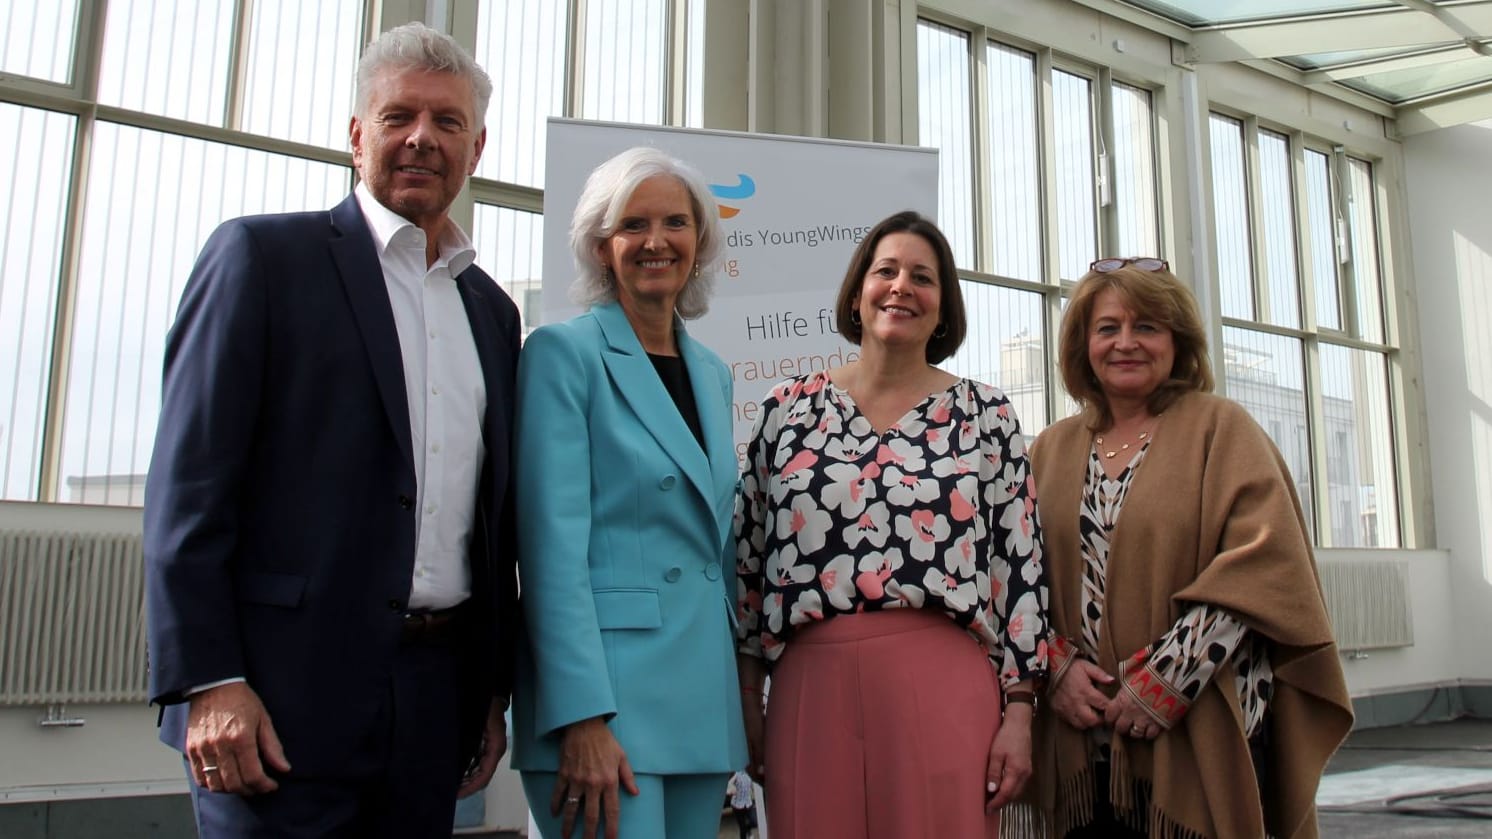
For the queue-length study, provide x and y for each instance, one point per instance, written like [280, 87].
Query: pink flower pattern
[938, 512]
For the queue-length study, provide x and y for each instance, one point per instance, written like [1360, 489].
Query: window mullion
[1342, 225]
[49, 486]
[984, 245]
[1254, 211]
[1304, 250]
[1103, 126]
[1046, 154]
[675, 80]
[238, 40]
[575, 66]
[1320, 499]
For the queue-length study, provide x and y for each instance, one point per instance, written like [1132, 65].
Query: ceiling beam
[1352, 97]
[1390, 64]
[1468, 105]
[1139, 17]
[1397, 28]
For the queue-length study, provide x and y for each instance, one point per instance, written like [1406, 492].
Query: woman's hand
[1129, 719]
[1009, 764]
[1076, 697]
[755, 717]
[592, 764]
[753, 674]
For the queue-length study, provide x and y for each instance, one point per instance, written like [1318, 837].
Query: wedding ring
[572, 801]
[1135, 729]
[208, 767]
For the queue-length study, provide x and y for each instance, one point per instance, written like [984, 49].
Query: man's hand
[494, 746]
[230, 740]
[592, 765]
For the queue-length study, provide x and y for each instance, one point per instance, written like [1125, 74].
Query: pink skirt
[879, 725]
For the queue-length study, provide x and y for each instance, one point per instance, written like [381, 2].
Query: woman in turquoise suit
[627, 717]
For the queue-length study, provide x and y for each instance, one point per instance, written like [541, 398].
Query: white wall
[1448, 177]
[1431, 662]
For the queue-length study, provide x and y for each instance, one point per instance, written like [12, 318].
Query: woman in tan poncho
[1197, 690]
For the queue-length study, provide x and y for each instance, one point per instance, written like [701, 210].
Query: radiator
[72, 618]
[1368, 600]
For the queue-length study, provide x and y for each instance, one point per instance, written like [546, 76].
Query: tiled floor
[1410, 782]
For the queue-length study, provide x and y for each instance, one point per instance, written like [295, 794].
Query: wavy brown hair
[951, 317]
[1157, 296]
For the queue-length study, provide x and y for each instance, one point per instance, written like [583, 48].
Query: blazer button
[673, 574]
[406, 503]
[667, 482]
[712, 571]
[396, 606]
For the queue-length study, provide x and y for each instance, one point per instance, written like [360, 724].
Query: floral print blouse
[937, 512]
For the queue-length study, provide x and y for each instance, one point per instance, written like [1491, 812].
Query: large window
[139, 125]
[1035, 151]
[618, 67]
[203, 111]
[1305, 346]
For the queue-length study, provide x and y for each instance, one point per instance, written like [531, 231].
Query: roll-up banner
[793, 210]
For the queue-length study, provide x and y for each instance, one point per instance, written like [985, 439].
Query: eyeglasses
[1144, 263]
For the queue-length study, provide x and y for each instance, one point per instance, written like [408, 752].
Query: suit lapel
[637, 381]
[362, 276]
[486, 332]
[704, 377]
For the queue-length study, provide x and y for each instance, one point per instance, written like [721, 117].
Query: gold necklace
[1111, 453]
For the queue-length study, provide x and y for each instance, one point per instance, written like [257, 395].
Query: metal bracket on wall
[57, 718]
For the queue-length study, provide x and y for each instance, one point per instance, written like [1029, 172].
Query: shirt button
[673, 574]
[430, 509]
[419, 572]
[667, 482]
[435, 448]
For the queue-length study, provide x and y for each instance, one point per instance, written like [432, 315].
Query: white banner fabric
[793, 210]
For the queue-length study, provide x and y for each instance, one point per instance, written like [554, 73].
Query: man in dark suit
[329, 544]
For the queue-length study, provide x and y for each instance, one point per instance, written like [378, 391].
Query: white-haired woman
[627, 718]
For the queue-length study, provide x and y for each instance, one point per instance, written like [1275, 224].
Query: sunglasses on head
[1144, 263]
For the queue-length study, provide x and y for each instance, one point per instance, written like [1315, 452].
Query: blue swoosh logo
[744, 189]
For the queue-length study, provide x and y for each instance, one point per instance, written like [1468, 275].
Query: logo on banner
[745, 188]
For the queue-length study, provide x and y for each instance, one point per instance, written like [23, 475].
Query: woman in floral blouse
[1196, 690]
[889, 569]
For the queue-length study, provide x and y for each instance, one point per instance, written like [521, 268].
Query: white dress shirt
[447, 399]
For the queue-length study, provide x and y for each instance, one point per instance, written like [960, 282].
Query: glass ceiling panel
[1318, 60]
[1422, 81]
[1208, 12]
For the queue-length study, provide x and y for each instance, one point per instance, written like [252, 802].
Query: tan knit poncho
[1211, 517]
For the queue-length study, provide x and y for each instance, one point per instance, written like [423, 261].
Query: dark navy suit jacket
[279, 510]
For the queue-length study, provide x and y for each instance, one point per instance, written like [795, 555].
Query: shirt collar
[455, 247]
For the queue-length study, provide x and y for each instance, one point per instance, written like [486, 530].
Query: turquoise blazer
[626, 586]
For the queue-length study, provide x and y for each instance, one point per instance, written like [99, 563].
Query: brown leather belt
[440, 626]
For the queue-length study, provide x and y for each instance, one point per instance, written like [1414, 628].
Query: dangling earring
[606, 275]
[855, 317]
[941, 330]
[695, 273]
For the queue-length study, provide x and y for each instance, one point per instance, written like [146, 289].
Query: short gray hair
[415, 46]
[605, 195]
